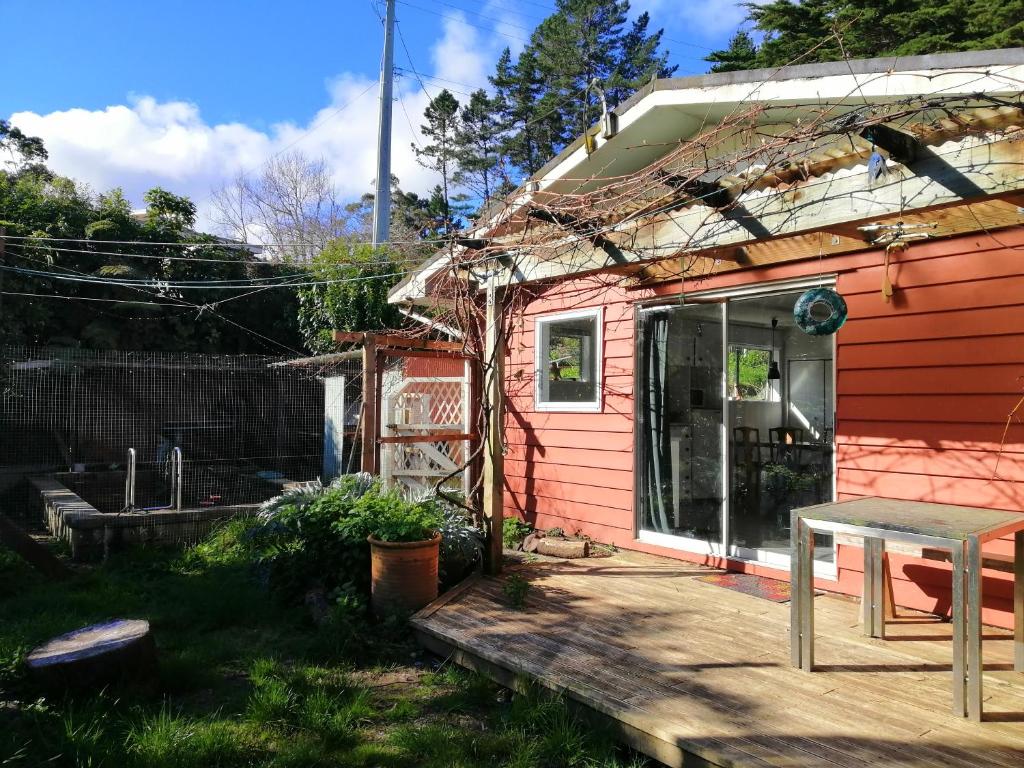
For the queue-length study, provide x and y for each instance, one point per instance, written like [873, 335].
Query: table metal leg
[806, 597]
[1018, 601]
[874, 587]
[869, 587]
[959, 679]
[974, 597]
[795, 591]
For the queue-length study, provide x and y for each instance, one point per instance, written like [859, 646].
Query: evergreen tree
[741, 54]
[441, 154]
[543, 96]
[477, 146]
[584, 41]
[827, 30]
[526, 133]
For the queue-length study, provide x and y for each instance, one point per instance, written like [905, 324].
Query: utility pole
[382, 195]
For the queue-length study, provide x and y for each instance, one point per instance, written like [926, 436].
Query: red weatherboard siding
[924, 388]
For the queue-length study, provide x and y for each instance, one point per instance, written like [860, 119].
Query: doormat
[749, 584]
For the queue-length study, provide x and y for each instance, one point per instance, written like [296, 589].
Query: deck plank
[687, 668]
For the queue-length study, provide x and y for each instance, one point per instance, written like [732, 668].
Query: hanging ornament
[897, 246]
[819, 312]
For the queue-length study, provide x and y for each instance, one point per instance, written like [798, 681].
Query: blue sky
[188, 94]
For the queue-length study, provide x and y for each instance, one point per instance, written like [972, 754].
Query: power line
[240, 245]
[186, 258]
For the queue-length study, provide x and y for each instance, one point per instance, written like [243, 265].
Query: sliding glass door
[680, 423]
[735, 426]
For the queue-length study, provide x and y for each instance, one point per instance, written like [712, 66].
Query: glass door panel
[780, 425]
[680, 423]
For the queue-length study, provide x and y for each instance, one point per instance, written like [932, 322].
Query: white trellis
[413, 406]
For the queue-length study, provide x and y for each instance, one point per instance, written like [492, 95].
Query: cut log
[563, 547]
[531, 541]
[120, 651]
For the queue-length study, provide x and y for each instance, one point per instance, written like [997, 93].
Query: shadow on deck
[694, 674]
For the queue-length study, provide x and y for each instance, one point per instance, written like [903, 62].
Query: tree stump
[120, 651]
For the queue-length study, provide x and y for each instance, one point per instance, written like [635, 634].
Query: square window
[568, 361]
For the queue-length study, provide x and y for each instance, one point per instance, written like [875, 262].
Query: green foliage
[542, 96]
[748, 372]
[513, 531]
[462, 545]
[35, 203]
[828, 30]
[516, 588]
[356, 301]
[781, 480]
[386, 516]
[248, 682]
[441, 153]
[317, 536]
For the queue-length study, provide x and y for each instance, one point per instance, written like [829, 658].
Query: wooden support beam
[34, 553]
[371, 406]
[387, 341]
[494, 458]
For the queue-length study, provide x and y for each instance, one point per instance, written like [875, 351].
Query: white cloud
[146, 143]
[696, 19]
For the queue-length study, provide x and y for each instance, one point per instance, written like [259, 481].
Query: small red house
[659, 393]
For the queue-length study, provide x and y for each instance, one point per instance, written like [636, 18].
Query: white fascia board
[852, 88]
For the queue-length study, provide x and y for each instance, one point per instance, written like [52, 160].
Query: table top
[944, 521]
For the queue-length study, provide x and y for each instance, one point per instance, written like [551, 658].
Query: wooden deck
[694, 674]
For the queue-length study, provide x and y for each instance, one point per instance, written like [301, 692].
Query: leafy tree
[46, 309]
[22, 148]
[355, 297]
[827, 30]
[441, 154]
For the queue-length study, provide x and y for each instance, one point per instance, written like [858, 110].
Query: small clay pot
[403, 575]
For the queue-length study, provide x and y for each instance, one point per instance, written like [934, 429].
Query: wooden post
[371, 407]
[494, 459]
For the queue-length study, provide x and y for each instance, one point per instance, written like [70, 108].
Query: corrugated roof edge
[955, 60]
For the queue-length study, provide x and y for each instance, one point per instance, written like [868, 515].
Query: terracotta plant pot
[404, 575]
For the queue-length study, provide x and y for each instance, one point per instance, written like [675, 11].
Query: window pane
[748, 373]
[569, 354]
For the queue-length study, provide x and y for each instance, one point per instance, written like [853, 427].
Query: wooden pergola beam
[386, 341]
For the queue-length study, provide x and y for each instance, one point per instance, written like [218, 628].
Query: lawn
[248, 680]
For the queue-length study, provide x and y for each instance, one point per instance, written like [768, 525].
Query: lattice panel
[422, 405]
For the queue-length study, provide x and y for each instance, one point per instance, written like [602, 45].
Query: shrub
[316, 535]
[513, 531]
[462, 545]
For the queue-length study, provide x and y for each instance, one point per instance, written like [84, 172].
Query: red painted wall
[924, 388]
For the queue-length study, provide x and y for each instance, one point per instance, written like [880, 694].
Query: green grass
[249, 682]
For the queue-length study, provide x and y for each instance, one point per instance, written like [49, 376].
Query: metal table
[961, 530]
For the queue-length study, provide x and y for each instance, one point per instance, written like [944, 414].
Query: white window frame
[541, 369]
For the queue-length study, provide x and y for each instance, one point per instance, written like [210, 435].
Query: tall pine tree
[441, 154]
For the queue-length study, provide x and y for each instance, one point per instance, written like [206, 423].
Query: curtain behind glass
[654, 358]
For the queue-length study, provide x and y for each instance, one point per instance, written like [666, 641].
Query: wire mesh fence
[245, 426]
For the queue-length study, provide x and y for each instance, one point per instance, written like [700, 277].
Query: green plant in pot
[404, 541]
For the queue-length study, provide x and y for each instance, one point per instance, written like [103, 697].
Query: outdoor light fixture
[773, 364]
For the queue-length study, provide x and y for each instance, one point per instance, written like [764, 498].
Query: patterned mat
[748, 584]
